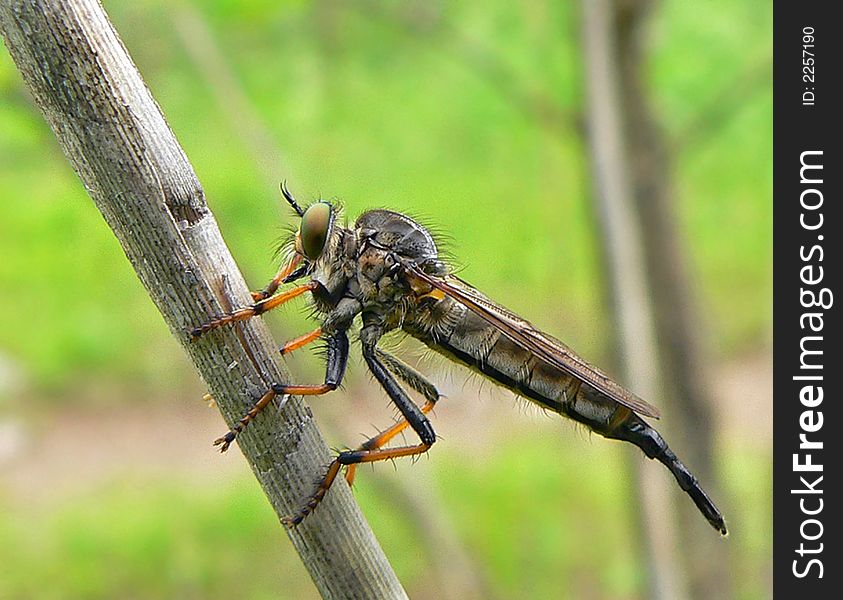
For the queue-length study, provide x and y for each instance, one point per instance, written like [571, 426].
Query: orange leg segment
[225, 441]
[316, 498]
[272, 286]
[370, 451]
[350, 458]
[306, 390]
[335, 368]
[256, 309]
[302, 340]
[382, 439]
[276, 390]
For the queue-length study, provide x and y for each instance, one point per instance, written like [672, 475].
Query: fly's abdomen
[465, 337]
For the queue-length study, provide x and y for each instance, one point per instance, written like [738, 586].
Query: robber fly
[387, 270]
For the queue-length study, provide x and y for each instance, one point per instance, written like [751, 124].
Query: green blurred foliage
[161, 538]
[414, 107]
[135, 542]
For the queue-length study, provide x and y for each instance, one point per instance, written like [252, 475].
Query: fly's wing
[542, 345]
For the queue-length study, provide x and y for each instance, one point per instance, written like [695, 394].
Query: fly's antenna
[289, 197]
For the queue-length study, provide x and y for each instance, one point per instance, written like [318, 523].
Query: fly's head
[318, 242]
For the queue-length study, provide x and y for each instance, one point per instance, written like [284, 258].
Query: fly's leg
[335, 369]
[286, 348]
[629, 427]
[410, 376]
[411, 413]
[288, 273]
[302, 340]
[381, 440]
[349, 458]
[416, 381]
[337, 360]
[225, 441]
[256, 309]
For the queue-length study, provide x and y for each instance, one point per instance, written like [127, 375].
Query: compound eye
[315, 224]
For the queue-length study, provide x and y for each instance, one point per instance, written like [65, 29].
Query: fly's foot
[316, 498]
[197, 332]
[224, 442]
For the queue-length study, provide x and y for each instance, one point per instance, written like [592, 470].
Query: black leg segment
[399, 397]
[337, 358]
[336, 362]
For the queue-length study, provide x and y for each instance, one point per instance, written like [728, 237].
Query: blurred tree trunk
[622, 244]
[117, 140]
[646, 193]
[679, 325]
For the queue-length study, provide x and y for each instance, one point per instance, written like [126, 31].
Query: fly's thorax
[396, 232]
[381, 285]
[374, 265]
[386, 242]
